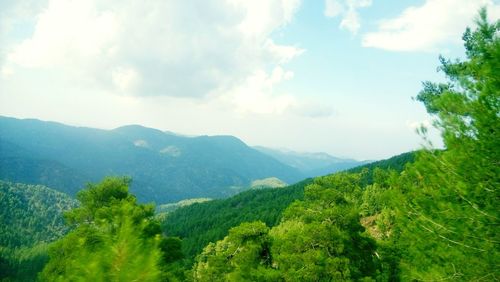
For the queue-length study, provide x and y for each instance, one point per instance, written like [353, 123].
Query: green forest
[429, 215]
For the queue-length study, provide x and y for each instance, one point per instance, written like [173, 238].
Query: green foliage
[321, 238]
[30, 214]
[396, 163]
[202, 223]
[243, 255]
[30, 217]
[114, 239]
[426, 216]
[22, 263]
[435, 220]
[452, 211]
[318, 239]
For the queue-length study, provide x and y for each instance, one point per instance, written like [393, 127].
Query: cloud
[154, 48]
[333, 8]
[427, 27]
[348, 11]
[256, 94]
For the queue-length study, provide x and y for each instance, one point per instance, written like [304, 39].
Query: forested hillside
[21, 165]
[318, 239]
[430, 215]
[112, 238]
[30, 217]
[436, 220]
[201, 223]
[397, 163]
[165, 167]
[31, 214]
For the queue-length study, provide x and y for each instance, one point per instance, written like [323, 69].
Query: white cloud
[256, 94]
[126, 79]
[429, 26]
[333, 8]
[348, 11]
[351, 21]
[154, 48]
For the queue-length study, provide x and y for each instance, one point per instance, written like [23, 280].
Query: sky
[335, 76]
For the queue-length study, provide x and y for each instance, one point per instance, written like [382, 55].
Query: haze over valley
[249, 140]
[165, 167]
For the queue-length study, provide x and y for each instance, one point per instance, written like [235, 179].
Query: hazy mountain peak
[311, 164]
[164, 167]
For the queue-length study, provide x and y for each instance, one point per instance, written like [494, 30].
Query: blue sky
[336, 76]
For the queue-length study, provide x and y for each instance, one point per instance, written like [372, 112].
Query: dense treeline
[113, 238]
[199, 224]
[31, 214]
[319, 239]
[396, 163]
[202, 223]
[452, 213]
[24, 166]
[30, 217]
[436, 220]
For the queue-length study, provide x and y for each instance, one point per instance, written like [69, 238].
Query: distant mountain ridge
[165, 167]
[311, 164]
[209, 221]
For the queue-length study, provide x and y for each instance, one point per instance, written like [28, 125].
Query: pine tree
[114, 238]
[449, 228]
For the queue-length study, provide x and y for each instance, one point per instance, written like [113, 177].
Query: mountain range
[165, 167]
[311, 164]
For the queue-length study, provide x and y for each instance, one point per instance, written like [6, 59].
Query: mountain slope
[396, 163]
[311, 164]
[165, 167]
[199, 224]
[30, 214]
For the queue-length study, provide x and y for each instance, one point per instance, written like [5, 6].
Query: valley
[135, 203]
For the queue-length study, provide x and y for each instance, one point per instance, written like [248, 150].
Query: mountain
[311, 164]
[396, 163]
[201, 223]
[165, 167]
[31, 216]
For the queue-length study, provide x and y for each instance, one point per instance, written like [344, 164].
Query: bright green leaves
[244, 255]
[451, 215]
[319, 239]
[115, 239]
[468, 106]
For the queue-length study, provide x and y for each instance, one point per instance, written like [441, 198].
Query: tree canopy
[113, 239]
[433, 216]
[452, 211]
